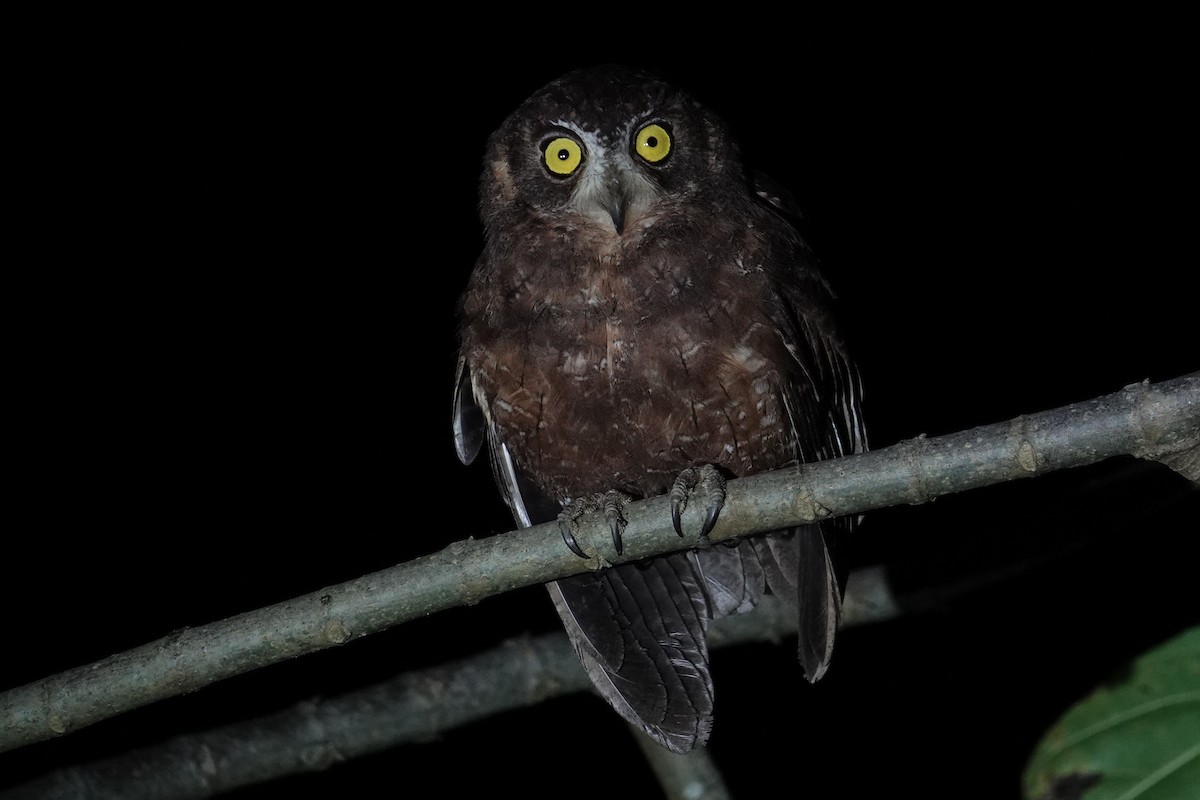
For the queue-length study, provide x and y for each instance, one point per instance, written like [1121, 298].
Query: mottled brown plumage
[639, 309]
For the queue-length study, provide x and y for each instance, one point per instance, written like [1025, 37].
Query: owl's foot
[710, 482]
[612, 503]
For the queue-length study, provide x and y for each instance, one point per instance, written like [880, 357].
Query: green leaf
[1134, 738]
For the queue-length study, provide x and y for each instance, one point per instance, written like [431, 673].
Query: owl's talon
[612, 503]
[711, 482]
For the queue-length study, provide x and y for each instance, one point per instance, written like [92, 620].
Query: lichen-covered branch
[1159, 421]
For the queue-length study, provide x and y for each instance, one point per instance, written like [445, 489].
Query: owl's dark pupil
[564, 154]
[652, 141]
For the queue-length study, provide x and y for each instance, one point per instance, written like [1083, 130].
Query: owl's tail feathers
[794, 565]
[820, 601]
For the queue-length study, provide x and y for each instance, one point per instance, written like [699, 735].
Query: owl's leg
[710, 482]
[612, 503]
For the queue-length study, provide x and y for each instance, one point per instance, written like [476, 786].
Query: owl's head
[608, 147]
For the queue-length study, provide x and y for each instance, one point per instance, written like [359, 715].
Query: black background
[234, 369]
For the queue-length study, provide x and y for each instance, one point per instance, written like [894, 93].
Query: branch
[693, 776]
[1159, 421]
[413, 707]
[422, 706]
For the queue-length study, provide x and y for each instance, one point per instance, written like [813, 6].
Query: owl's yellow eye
[563, 155]
[653, 143]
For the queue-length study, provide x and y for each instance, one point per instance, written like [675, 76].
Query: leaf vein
[1117, 719]
[1162, 772]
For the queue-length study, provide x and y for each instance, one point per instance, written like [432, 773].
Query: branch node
[1178, 447]
[916, 449]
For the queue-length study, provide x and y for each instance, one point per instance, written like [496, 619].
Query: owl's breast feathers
[603, 365]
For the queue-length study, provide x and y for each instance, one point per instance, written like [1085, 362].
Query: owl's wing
[469, 424]
[825, 411]
[776, 194]
[638, 629]
[529, 505]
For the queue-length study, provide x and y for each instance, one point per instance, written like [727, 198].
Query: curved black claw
[683, 485]
[714, 511]
[711, 482]
[564, 528]
[614, 503]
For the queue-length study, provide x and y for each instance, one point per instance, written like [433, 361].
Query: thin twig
[693, 776]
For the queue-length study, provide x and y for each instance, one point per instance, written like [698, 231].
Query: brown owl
[644, 319]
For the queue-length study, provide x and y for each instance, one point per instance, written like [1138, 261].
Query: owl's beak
[616, 193]
[625, 194]
[616, 204]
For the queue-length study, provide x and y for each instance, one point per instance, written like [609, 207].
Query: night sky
[234, 387]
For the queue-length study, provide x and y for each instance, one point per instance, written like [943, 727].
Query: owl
[644, 319]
